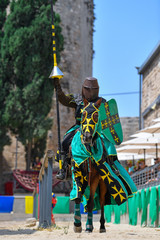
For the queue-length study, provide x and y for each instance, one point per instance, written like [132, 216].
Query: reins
[90, 171]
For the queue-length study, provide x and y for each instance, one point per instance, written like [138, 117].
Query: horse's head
[90, 120]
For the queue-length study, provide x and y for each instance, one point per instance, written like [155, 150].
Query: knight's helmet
[90, 89]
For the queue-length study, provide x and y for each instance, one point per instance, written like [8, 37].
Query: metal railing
[45, 192]
[148, 177]
[35, 202]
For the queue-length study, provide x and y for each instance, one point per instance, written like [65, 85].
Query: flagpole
[56, 73]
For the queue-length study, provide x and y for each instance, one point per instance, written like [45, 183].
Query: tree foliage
[27, 62]
[3, 5]
[4, 138]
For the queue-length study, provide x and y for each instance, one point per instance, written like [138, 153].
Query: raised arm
[66, 100]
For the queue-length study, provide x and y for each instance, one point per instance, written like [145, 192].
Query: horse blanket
[119, 188]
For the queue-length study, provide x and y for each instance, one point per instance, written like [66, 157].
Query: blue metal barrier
[6, 204]
[45, 192]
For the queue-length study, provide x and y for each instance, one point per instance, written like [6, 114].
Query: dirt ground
[64, 231]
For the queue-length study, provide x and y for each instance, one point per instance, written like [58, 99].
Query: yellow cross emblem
[106, 175]
[116, 139]
[79, 174]
[118, 193]
[85, 178]
[112, 130]
[87, 125]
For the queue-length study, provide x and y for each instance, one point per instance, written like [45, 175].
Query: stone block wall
[76, 63]
[77, 18]
[76, 60]
[129, 126]
[9, 156]
[151, 90]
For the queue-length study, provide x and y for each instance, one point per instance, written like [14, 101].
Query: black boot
[61, 174]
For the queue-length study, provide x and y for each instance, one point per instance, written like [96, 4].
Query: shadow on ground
[16, 232]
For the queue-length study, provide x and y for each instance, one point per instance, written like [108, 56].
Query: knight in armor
[90, 91]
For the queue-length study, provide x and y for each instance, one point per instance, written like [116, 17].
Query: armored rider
[90, 91]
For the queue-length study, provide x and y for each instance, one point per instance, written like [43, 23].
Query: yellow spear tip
[56, 73]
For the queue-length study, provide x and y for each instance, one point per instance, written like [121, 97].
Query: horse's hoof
[77, 229]
[102, 230]
[88, 230]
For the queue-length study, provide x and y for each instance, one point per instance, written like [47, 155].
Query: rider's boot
[61, 175]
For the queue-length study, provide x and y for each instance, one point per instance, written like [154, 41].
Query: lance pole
[56, 73]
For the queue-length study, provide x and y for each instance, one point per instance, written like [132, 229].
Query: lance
[56, 73]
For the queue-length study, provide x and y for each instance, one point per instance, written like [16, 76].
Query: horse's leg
[77, 217]
[90, 204]
[103, 191]
[102, 221]
[77, 179]
[89, 223]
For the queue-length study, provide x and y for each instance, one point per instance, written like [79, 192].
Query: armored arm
[66, 100]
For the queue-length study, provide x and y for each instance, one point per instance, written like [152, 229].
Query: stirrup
[61, 175]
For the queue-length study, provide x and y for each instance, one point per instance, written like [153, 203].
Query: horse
[89, 124]
[91, 150]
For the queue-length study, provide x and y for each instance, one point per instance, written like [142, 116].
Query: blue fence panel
[6, 204]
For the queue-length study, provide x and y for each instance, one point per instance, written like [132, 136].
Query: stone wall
[76, 63]
[129, 126]
[76, 59]
[9, 156]
[151, 90]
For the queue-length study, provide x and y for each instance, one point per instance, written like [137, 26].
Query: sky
[126, 32]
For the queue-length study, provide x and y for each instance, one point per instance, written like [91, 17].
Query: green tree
[3, 6]
[4, 138]
[27, 61]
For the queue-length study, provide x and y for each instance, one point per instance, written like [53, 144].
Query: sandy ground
[64, 230]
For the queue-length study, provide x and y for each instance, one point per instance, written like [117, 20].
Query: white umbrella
[136, 148]
[156, 120]
[132, 156]
[145, 140]
[139, 149]
[152, 129]
[141, 134]
[152, 141]
[149, 139]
